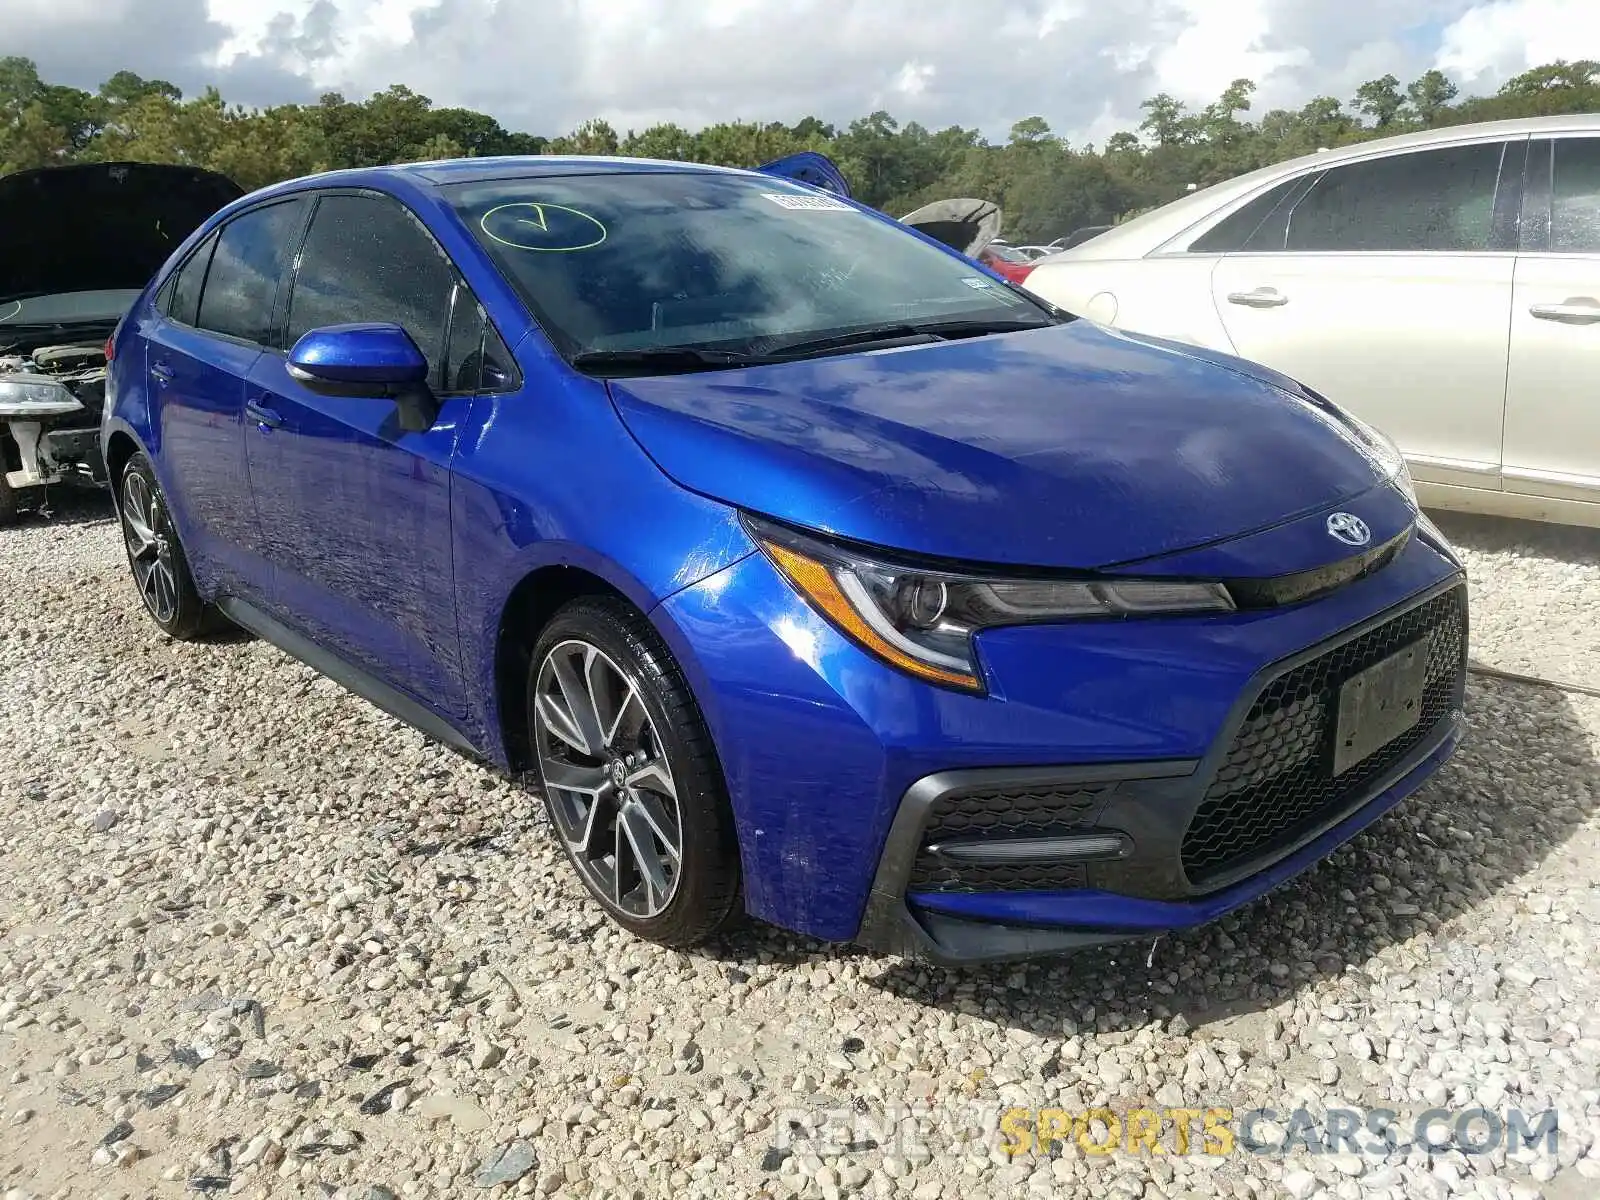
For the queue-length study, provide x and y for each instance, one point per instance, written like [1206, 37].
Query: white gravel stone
[401, 925]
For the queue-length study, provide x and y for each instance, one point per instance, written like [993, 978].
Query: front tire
[630, 779]
[155, 555]
[8, 500]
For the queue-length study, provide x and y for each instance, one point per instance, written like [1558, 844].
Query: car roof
[422, 177]
[469, 170]
[1146, 232]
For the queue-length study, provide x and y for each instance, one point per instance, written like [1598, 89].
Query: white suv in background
[1444, 286]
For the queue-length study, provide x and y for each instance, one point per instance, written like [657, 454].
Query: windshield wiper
[972, 327]
[663, 360]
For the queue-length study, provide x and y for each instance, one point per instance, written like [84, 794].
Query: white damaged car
[77, 243]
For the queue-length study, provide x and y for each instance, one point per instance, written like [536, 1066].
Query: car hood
[99, 226]
[1074, 446]
[962, 224]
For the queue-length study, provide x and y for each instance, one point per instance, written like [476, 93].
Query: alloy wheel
[147, 529]
[610, 787]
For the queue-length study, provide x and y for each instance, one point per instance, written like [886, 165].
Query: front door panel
[355, 515]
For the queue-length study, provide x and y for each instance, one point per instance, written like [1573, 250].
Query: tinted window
[183, 294]
[1259, 225]
[475, 357]
[368, 259]
[1575, 196]
[649, 260]
[252, 254]
[1430, 200]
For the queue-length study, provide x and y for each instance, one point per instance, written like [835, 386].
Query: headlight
[923, 621]
[31, 396]
[1385, 454]
[1425, 523]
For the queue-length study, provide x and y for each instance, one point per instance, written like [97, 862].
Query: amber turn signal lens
[816, 583]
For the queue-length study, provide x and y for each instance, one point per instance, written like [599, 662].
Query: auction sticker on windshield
[807, 203]
[531, 225]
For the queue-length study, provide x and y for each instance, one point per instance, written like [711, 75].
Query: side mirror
[368, 359]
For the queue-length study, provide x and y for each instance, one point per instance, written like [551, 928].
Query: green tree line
[1046, 186]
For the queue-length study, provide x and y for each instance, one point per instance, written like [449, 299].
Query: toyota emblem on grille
[1349, 529]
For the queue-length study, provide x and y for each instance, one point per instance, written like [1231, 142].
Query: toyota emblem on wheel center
[1349, 529]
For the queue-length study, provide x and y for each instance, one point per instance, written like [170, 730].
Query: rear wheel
[630, 779]
[8, 500]
[160, 569]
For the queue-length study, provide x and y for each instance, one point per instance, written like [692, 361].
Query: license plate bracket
[1379, 704]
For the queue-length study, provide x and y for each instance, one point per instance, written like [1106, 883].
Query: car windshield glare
[616, 262]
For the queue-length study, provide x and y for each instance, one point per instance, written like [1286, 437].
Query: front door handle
[265, 418]
[161, 371]
[1578, 310]
[1261, 297]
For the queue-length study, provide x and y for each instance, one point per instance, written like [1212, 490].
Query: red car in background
[1006, 261]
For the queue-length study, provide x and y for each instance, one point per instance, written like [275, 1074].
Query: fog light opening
[1035, 849]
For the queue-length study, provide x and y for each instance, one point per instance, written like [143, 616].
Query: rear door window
[253, 254]
[183, 294]
[1575, 196]
[1430, 200]
[1259, 225]
[367, 258]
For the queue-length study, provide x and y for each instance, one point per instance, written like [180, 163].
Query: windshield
[68, 308]
[665, 260]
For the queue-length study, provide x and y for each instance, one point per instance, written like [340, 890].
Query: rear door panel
[1552, 433]
[198, 382]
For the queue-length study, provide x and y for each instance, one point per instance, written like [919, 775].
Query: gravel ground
[257, 938]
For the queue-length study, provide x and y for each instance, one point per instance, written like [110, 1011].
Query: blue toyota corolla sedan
[809, 568]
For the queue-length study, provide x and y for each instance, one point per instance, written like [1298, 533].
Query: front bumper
[45, 452]
[835, 762]
[966, 928]
[1198, 838]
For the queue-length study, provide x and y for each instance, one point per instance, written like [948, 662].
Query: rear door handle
[1578, 310]
[1261, 297]
[264, 417]
[161, 371]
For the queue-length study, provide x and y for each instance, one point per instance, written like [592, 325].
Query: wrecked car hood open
[963, 224]
[99, 226]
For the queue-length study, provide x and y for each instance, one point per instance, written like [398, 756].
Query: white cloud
[1493, 42]
[1222, 40]
[546, 65]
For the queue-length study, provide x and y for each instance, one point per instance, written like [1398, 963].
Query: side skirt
[394, 702]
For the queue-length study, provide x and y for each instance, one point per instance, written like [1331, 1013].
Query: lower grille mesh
[1003, 814]
[1277, 779]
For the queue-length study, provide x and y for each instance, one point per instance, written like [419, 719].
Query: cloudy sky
[545, 65]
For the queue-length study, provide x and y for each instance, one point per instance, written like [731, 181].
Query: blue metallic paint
[1071, 446]
[786, 681]
[613, 516]
[360, 353]
[355, 518]
[1113, 449]
[197, 384]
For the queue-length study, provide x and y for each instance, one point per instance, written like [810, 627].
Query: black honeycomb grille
[1277, 780]
[1003, 814]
